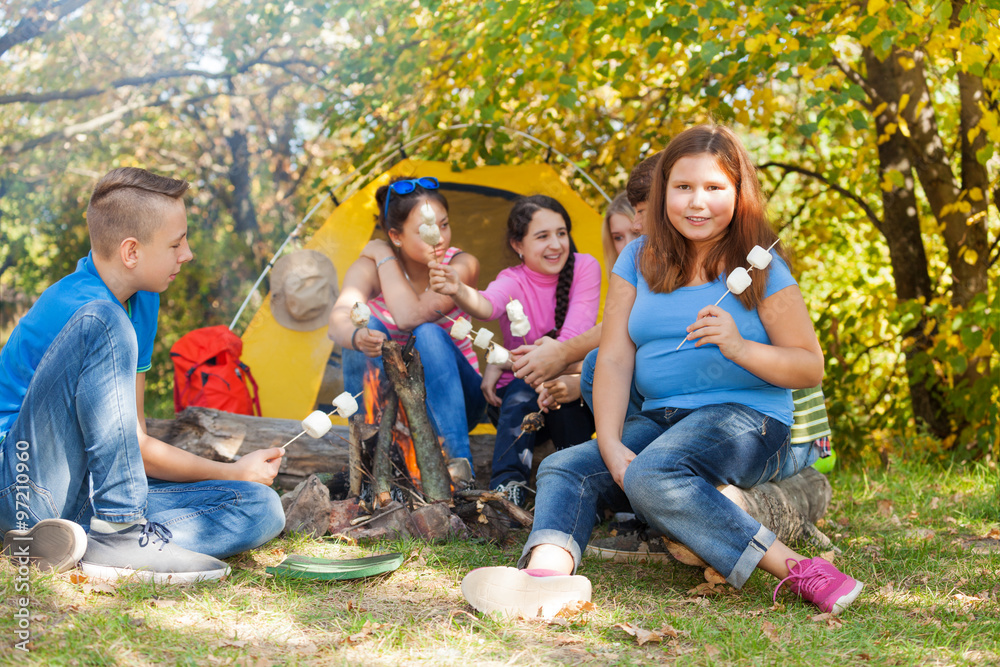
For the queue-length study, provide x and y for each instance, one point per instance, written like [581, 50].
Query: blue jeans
[513, 451]
[681, 457]
[76, 434]
[455, 400]
[587, 386]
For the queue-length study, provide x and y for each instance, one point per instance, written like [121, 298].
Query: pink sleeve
[500, 291]
[584, 297]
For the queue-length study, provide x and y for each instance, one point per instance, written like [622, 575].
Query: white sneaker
[515, 593]
[54, 545]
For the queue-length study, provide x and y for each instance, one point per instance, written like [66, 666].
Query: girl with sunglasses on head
[560, 292]
[392, 278]
[716, 371]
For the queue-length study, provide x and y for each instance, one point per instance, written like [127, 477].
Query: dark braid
[562, 292]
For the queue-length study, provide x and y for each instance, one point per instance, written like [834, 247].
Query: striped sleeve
[810, 419]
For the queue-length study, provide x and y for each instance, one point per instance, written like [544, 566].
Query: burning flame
[401, 437]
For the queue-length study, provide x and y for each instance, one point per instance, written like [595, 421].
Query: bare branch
[95, 123]
[45, 15]
[869, 213]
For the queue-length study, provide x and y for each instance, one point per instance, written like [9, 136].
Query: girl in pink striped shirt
[392, 277]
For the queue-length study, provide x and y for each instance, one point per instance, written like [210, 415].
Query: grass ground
[925, 539]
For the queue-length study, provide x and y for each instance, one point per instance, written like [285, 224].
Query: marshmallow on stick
[429, 231]
[498, 355]
[483, 338]
[739, 280]
[461, 329]
[519, 324]
[360, 314]
[318, 423]
[520, 327]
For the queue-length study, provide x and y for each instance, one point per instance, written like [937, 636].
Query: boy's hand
[444, 278]
[260, 466]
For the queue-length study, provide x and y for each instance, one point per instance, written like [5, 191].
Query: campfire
[399, 481]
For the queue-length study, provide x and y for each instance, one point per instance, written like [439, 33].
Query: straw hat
[303, 289]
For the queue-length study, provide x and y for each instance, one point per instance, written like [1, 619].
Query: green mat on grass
[304, 567]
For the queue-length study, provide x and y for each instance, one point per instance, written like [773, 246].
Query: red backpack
[208, 372]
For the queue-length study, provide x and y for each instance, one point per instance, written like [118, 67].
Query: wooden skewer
[328, 414]
[684, 340]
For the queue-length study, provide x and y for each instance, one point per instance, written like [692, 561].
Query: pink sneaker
[516, 593]
[819, 582]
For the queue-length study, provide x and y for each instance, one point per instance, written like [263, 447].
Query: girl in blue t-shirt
[716, 379]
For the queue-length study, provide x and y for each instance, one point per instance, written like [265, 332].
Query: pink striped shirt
[381, 311]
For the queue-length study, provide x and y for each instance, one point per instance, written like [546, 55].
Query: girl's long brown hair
[668, 259]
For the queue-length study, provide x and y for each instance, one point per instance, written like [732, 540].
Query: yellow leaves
[904, 100]
[753, 44]
[880, 109]
[890, 130]
[907, 64]
[875, 6]
[969, 256]
[976, 194]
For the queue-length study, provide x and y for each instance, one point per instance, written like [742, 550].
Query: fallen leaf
[828, 556]
[77, 578]
[234, 643]
[962, 597]
[99, 587]
[830, 620]
[933, 505]
[994, 534]
[920, 534]
[641, 634]
[884, 507]
[711, 651]
[771, 632]
[158, 603]
[566, 641]
[706, 588]
[712, 576]
[575, 608]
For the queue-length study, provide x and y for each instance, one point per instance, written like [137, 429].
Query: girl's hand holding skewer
[716, 326]
[369, 342]
[444, 279]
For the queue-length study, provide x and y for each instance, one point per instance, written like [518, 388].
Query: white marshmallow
[345, 404]
[461, 329]
[430, 233]
[483, 338]
[520, 327]
[759, 258]
[515, 311]
[427, 214]
[738, 280]
[360, 314]
[317, 424]
[498, 355]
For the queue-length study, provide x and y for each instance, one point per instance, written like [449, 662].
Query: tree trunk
[901, 230]
[408, 381]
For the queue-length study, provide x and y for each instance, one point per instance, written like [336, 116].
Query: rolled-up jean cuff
[122, 517]
[554, 537]
[747, 563]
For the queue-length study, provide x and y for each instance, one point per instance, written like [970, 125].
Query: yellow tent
[289, 365]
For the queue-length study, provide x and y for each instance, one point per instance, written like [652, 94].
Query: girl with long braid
[560, 292]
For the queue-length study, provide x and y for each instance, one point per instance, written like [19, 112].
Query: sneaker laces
[807, 580]
[159, 533]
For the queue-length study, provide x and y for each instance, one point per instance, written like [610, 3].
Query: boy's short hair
[128, 202]
[641, 179]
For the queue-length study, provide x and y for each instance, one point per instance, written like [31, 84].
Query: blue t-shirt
[35, 331]
[694, 377]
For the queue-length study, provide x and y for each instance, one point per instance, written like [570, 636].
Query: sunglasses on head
[408, 186]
